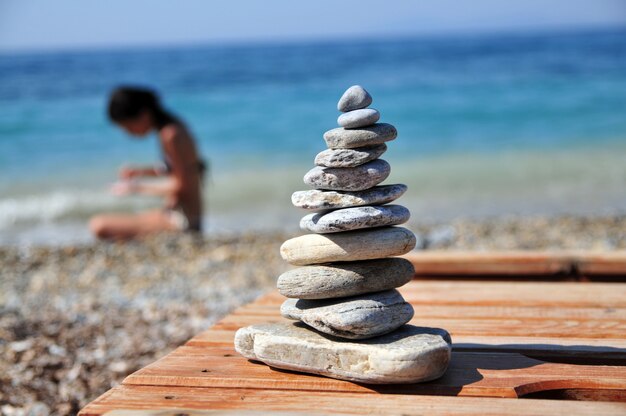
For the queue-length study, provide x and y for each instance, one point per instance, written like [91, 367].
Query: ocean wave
[57, 205]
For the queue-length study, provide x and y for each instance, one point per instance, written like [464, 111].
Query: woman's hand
[123, 188]
[126, 173]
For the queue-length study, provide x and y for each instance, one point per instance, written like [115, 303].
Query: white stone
[358, 118]
[410, 354]
[336, 280]
[356, 317]
[342, 138]
[349, 158]
[356, 218]
[358, 178]
[324, 200]
[376, 243]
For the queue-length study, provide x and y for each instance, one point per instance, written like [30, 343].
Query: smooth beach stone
[357, 317]
[411, 354]
[358, 118]
[376, 243]
[358, 178]
[342, 138]
[324, 200]
[336, 280]
[355, 98]
[349, 158]
[347, 219]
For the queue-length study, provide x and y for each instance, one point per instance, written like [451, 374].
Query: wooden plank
[602, 263]
[532, 264]
[497, 329]
[489, 263]
[184, 400]
[469, 374]
[550, 294]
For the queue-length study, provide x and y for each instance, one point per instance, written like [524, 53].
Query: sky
[70, 24]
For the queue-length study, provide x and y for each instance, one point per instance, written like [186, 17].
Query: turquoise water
[506, 124]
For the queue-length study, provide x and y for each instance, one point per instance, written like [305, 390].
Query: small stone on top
[355, 98]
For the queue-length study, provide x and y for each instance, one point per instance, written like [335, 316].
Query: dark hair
[127, 103]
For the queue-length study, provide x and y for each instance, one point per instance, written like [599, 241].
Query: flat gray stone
[410, 354]
[323, 200]
[357, 317]
[354, 98]
[342, 138]
[356, 218]
[349, 158]
[376, 243]
[358, 178]
[336, 280]
[358, 118]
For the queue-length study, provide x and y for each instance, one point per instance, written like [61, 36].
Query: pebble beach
[75, 320]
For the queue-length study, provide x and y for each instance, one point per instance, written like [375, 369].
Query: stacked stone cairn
[351, 320]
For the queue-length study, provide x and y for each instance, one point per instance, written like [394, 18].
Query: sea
[489, 125]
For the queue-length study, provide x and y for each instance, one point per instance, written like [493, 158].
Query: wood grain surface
[511, 341]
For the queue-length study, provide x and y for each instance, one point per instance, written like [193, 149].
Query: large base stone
[410, 354]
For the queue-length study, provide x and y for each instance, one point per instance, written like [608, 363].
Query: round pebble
[348, 219]
[336, 280]
[342, 138]
[357, 317]
[323, 200]
[349, 158]
[376, 243]
[358, 178]
[358, 118]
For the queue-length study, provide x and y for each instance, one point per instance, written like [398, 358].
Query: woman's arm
[128, 172]
[179, 183]
[163, 188]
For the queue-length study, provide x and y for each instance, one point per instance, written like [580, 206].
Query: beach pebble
[410, 354]
[355, 97]
[358, 178]
[358, 118]
[324, 200]
[376, 243]
[342, 138]
[357, 317]
[347, 219]
[349, 158]
[338, 280]
[440, 237]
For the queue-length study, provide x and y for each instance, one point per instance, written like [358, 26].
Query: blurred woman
[139, 112]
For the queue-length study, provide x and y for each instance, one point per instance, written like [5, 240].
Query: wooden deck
[561, 344]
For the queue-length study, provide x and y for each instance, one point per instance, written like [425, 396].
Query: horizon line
[315, 39]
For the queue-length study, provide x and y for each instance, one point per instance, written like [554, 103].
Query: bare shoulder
[170, 133]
